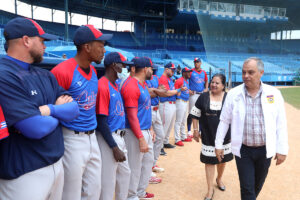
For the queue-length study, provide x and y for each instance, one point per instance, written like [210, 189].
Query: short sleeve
[3, 128]
[205, 76]
[196, 110]
[103, 99]
[131, 94]
[178, 83]
[63, 75]
[164, 81]
[15, 100]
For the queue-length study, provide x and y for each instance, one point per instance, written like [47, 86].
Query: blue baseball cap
[88, 33]
[116, 57]
[197, 60]
[155, 67]
[140, 62]
[186, 69]
[148, 61]
[20, 26]
[170, 65]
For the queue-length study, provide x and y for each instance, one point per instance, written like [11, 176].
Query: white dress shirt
[233, 113]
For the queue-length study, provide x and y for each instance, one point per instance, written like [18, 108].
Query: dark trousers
[253, 168]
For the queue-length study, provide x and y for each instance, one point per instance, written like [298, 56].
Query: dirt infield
[184, 176]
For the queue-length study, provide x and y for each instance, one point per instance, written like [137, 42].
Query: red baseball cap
[197, 60]
[186, 69]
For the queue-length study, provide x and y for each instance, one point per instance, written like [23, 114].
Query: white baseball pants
[42, 184]
[159, 131]
[115, 175]
[180, 121]
[140, 164]
[82, 165]
[192, 100]
[167, 112]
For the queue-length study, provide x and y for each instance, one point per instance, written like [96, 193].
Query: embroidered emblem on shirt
[270, 98]
[79, 83]
[33, 92]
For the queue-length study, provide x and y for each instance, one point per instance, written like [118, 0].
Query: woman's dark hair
[222, 77]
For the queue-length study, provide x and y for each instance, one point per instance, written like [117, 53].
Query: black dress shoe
[206, 198]
[222, 188]
[162, 152]
[169, 146]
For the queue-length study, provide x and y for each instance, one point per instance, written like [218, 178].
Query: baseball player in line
[198, 84]
[156, 120]
[82, 158]
[139, 136]
[111, 126]
[181, 108]
[167, 108]
[33, 105]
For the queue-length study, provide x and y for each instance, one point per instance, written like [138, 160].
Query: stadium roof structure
[292, 7]
[114, 9]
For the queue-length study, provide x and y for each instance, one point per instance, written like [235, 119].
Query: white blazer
[234, 111]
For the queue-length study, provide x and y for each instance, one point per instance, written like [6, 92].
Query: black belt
[120, 132]
[85, 132]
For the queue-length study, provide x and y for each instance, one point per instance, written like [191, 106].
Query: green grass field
[291, 96]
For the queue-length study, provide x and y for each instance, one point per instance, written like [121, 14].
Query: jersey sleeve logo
[3, 125]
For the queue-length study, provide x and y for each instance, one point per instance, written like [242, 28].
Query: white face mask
[123, 74]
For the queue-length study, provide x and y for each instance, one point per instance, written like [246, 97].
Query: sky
[41, 13]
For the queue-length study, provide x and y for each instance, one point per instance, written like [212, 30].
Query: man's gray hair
[259, 62]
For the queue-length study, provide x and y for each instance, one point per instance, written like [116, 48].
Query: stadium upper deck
[183, 35]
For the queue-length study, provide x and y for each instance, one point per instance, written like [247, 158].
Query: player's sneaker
[153, 174]
[155, 180]
[179, 143]
[157, 169]
[162, 152]
[169, 146]
[188, 139]
[147, 196]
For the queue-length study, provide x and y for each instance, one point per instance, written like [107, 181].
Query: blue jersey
[169, 85]
[83, 88]
[118, 82]
[181, 82]
[22, 92]
[153, 83]
[197, 80]
[110, 104]
[136, 95]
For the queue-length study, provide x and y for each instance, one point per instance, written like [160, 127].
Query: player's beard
[97, 62]
[36, 57]
[148, 75]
